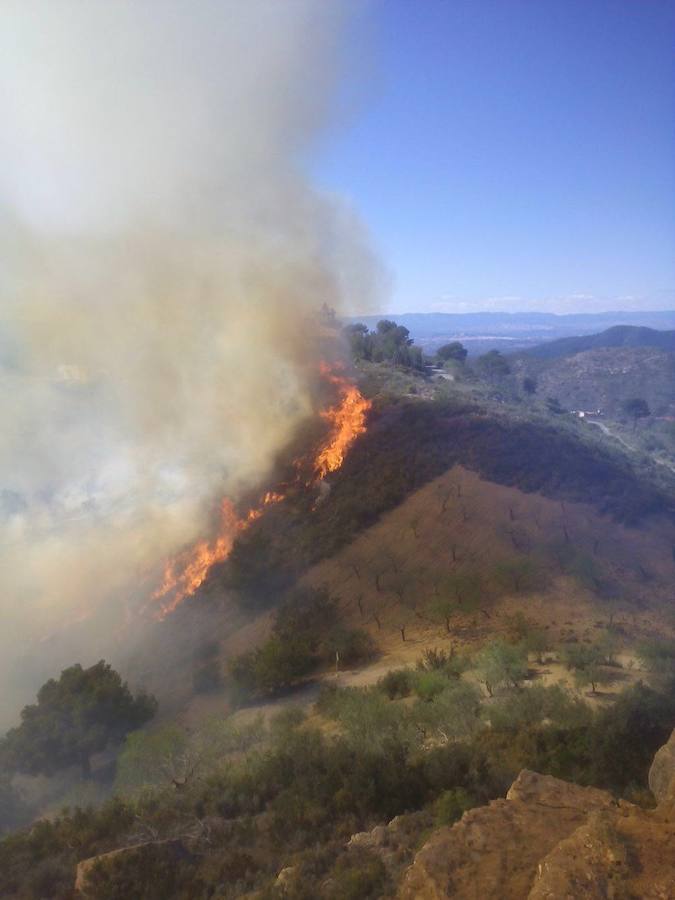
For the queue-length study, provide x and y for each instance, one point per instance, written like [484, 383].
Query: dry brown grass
[458, 523]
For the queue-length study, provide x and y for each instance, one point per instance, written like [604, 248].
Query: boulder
[493, 851]
[616, 854]
[395, 843]
[662, 772]
[286, 876]
[550, 840]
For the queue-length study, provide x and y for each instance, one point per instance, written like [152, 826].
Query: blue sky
[514, 154]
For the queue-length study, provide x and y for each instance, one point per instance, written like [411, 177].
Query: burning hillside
[164, 254]
[346, 420]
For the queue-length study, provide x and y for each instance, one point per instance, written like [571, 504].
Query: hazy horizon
[484, 311]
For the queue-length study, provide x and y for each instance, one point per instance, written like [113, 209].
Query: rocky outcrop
[396, 842]
[493, 851]
[629, 853]
[550, 840]
[662, 772]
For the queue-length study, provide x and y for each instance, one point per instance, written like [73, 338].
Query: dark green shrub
[450, 664]
[658, 657]
[309, 613]
[357, 875]
[75, 717]
[533, 705]
[274, 666]
[148, 872]
[396, 683]
[519, 575]
[428, 685]
[581, 656]
[353, 645]
[451, 805]
[327, 699]
[627, 735]
[501, 664]
[432, 660]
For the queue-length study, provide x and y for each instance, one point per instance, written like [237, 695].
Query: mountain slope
[409, 459]
[619, 336]
[581, 567]
[410, 442]
[438, 501]
[581, 571]
[603, 378]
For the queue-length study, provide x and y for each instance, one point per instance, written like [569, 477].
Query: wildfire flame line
[186, 572]
[347, 422]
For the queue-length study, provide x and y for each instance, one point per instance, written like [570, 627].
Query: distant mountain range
[508, 332]
[618, 336]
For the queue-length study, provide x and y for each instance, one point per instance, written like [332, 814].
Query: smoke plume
[162, 253]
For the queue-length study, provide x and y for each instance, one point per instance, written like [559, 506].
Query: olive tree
[636, 408]
[501, 664]
[586, 661]
[79, 715]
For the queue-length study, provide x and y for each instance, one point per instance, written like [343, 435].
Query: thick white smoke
[161, 251]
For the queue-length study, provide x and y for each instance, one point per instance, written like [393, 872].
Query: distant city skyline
[507, 154]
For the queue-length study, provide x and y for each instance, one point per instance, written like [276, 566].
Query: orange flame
[347, 419]
[184, 574]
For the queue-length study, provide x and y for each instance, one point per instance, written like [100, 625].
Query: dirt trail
[307, 695]
[617, 437]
